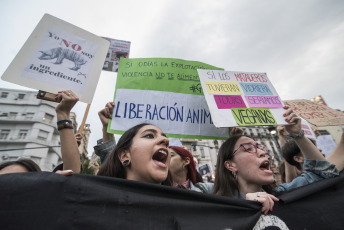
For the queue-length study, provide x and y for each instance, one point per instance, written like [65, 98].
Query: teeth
[163, 152]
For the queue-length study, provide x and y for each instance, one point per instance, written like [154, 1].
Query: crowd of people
[243, 168]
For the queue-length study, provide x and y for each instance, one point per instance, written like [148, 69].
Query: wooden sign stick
[81, 127]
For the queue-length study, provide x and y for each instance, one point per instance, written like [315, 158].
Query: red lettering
[74, 45]
[66, 43]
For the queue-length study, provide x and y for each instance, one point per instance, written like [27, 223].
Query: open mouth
[161, 156]
[265, 165]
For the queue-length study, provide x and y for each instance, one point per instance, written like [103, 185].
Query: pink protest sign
[263, 101]
[229, 101]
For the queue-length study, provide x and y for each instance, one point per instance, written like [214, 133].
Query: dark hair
[225, 183]
[281, 170]
[112, 167]
[289, 150]
[30, 165]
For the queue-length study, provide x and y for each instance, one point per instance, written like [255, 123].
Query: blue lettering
[148, 112]
[155, 113]
[117, 107]
[139, 110]
[132, 110]
[160, 113]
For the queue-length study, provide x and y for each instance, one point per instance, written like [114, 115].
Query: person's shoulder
[205, 187]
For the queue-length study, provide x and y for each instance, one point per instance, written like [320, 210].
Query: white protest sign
[307, 128]
[165, 92]
[326, 144]
[241, 99]
[117, 49]
[135, 106]
[59, 56]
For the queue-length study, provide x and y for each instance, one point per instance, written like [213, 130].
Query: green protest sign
[164, 92]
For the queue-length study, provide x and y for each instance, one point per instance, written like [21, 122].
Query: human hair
[225, 182]
[112, 167]
[191, 167]
[29, 164]
[289, 150]
[281, 170]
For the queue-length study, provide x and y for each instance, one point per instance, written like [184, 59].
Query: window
[4, 115]
[4, 94]
[48, 118]
[29, 116]
[4, 134]
[12, 115]
[42, 135]
[21, 96]
[202, 152]
[23, 133]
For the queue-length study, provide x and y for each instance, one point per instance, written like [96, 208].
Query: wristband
[294, 136]
[64, 124]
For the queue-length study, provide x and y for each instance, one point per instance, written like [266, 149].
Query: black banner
[52, 201]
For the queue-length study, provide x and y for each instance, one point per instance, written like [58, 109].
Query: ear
[186, 161]
[298, 159]
[124, 155]
[231, 166]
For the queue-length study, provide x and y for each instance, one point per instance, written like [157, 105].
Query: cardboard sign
[59, 56]
[166, 93]
[117, 50]
[316, 114]
[241, 99]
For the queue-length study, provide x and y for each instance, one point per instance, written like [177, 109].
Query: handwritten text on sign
[229, 101]
[253, 116]
[223, 88]
[264, 101]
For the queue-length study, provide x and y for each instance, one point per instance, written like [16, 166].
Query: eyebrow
[153, 131]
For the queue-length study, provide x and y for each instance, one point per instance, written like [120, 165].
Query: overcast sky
[299, 44]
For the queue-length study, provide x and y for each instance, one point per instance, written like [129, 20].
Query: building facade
[28, 129]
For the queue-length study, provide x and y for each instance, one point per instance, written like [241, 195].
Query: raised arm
[108, 142]
[308, 149]
[69, 147]
[337, 156]
[280, 133]
[104, 116]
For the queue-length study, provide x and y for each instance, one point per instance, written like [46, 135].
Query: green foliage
[86, 169]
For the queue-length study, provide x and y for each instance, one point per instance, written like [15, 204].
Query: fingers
[107, 111]
[267, 200]
[65, 172]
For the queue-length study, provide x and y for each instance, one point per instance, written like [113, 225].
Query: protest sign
[205, 169]
[307, 129]
[316, 114]
[166, 93]
[59, 56]
[326, 144]
[241, 99]
[117, 49]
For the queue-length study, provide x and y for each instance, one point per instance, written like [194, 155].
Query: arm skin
[69, 147]
[104, 116]
[337, 156]
[308, 149]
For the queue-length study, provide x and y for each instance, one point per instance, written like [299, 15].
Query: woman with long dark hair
[141, 154]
